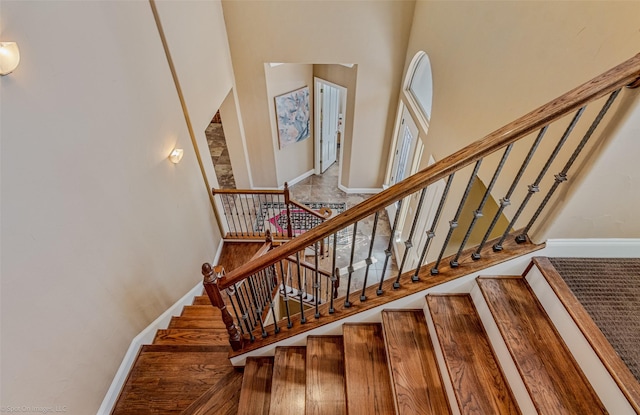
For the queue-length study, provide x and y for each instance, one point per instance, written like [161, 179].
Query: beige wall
[294, 159]
[345, 77]
[495, 61]
[606, 201]
[100, 232]
[373, 35]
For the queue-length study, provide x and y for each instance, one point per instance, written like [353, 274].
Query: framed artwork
[292, 112]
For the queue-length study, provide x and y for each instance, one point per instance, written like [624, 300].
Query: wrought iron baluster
[334, 277]
[369, 260]
[286, 297]
[453, 224]
[244, 297]
[244, 309]
[225, 209]
[409, 242]
[302, 318]
[534, 188]
[431, 233]
[271, 278]
[244, 216]
[387, 252]
[506, 200]
[257, 308]
[230, 293]
[562, 176]
[478, 212]
[233, 218]
[350, 269]
[316, 283]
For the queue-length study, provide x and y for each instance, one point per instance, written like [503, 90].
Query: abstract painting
[292, 112]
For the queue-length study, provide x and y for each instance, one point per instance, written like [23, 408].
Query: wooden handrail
[621, 75]
[308, 209]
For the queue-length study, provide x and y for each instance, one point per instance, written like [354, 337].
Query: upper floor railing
[442, 218]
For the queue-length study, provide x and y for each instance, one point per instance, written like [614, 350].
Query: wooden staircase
[492, 351]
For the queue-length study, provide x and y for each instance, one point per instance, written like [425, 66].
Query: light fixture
[176, 155]
[9, 57]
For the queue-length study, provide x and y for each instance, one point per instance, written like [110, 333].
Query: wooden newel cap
[207, 272]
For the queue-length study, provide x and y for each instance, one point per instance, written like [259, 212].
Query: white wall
[100, 232]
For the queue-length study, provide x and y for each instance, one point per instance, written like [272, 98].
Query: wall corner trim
[146, 336]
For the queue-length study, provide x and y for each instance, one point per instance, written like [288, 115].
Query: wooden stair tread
[203, 311]
[478, 381]
[325, 376]
[255, 397]
[554, 380]
[203, 337]
[418, 387]
[201, 300]
[190, 322]
[367, 380]
[221, 399]
[167, 379]
[288, 382]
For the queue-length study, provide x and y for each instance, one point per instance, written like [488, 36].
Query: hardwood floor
[367, 379]
[255, 398]
[418, 387]
[288, 382]
[478, 381]
[325, 393]
[554, 380]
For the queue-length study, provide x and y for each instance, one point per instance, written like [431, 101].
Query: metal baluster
[334, 277]
[225, 209]
[302, 318]
[290, 273]
[347, 303]
[235, 205]
[409, 243]
[257, 308]
[369, 261]
[286, 297]
[247, 297]
[478, 212]
[316, 284]
[245, 312]
[534, 188]
[506, 200]
[453, 224]
[387, 252]
[230, 293]
[244, 216]
[276, 328]
[431, 232]
[562, 176]
[248, 217]
[229, 199]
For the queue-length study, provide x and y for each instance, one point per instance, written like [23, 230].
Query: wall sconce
[176, 155]
[9, 57]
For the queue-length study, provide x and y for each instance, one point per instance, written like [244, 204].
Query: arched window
[419, 84]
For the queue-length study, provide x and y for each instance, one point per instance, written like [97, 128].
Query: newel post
[211, 277]
[287, 200]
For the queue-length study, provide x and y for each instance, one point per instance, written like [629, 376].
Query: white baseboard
[365, 190]
[146, 336]
[299, 178]
[595, 247]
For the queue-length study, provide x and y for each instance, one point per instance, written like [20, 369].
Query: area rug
[273, 216]
[609, 289]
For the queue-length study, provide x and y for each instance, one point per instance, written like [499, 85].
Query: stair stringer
[464, 284]
[600, 378]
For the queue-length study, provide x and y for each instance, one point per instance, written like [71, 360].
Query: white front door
[329, 113]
